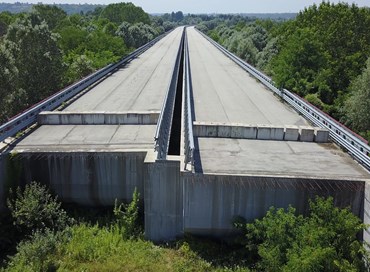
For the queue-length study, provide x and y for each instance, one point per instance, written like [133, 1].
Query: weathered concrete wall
[212, 201]
[163, 201]
[86, 178]
[366, 215]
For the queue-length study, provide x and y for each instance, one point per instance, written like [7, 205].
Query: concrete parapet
[268, 132]
[291, 133]
[321, 135]
[240, 131]
[205, 129]
[306, 134]
[260, 132]
[97, 118]
[263, 132]
[224, 131]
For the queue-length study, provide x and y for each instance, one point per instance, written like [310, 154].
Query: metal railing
[162, 134]
[188, 120]
[29, 116]
[356, 146]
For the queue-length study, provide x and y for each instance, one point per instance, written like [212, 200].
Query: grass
[85, 247]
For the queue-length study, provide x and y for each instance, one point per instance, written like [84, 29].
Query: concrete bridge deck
[224, 92]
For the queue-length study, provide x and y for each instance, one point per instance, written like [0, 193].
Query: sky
[210, 6]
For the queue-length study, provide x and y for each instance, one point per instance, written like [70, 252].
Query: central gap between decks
[175, 136]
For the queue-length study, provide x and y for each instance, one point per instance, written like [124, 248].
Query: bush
[36, 254]
[325, 240]
[36, 209]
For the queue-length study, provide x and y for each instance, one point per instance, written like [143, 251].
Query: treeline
[322, 55]
[46, 49]
[19, 7]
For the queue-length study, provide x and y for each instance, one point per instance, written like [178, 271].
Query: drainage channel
[175, 135]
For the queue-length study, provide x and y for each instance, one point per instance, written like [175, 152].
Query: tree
[125, 12]
[37, 57]
[8, 76]
[298, 64]
[52, 15]
[357, 106]
[324, 240]
[6, 19]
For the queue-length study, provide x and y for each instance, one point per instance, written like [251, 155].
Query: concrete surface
[275, 158]
[140, 85]
[224, 92]
[73, 138]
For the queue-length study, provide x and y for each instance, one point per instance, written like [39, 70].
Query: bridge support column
[163, 200]
[366, 217]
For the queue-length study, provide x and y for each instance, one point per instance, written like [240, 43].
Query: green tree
[357, 106]
[297, 65]
[37, 57]
[6, 18]
[8, 77]
[125, 12]
[53, 15]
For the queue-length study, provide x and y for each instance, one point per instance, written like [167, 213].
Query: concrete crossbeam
[98, 118]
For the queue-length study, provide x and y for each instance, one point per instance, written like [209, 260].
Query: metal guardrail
[188, 120]
[356, 146]
[29, 116]
[162, 134]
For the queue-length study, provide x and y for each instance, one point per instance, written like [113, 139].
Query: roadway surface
[139, 86]
[224, 92]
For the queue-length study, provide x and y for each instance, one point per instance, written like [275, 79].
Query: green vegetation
[324, 240]
[48, 239]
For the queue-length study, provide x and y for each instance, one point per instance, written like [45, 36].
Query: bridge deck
[224, 92]
[276, 158]
[138, 86]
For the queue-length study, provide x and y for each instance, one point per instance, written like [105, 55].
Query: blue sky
[210, 6]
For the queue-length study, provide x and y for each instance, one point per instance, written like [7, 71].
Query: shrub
[128, 220]
[35, 208]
